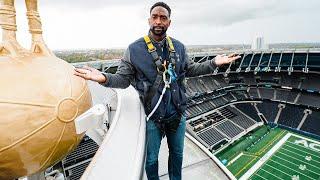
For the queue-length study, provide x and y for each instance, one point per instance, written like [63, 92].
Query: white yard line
[304, 147]
[300, 160]
[285, 149]
[260, 176]
[271, 174]
[308, 154]
[288, 168]
[294, 164]
[236, 158]
[261, 161]
[277, 169]
[284, 160]
[302, 150]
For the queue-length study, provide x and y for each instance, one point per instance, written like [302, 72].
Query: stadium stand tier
[236, 112]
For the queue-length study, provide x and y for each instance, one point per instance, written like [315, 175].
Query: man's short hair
[162, 4]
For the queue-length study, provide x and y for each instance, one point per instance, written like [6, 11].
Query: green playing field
[273, 154]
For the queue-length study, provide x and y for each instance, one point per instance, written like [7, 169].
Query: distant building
[258, 43]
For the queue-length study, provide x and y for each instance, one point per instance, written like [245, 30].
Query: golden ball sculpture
[39, 100]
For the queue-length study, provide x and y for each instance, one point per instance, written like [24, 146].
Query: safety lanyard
[168, 71]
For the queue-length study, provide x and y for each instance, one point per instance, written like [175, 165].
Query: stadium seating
[239, 118]
[211, 136]
[208, 81]
[309, 99]
[291, 116]
[249, 110]
[311, 82]
[312, 124]
[77, 161]
[229, 129]
[253, 92]
[269, 110]
[264, 79]
[266, 93]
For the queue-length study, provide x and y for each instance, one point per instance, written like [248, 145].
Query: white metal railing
[121, 153]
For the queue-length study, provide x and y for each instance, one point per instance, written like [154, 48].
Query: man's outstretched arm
[121, 79]
[207, 67]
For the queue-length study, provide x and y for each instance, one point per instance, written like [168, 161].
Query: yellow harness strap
[171, 47]
[150, 46]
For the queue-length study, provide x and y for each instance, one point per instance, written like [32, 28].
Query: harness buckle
[151, 50]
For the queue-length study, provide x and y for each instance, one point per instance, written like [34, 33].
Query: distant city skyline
[115, 24]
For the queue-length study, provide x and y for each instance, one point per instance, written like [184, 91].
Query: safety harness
[165, 72]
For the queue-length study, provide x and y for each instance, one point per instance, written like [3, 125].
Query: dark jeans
[175, 142]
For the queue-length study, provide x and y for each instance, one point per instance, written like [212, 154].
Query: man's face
[159, 20]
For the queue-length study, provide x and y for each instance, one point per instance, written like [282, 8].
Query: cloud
[116, 23]
[88, 4]
[228, 12]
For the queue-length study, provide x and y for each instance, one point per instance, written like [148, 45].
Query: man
[156, 66]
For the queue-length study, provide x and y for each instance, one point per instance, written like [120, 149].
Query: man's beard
[158, 32]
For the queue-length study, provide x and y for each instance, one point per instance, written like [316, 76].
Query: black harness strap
[160, 68]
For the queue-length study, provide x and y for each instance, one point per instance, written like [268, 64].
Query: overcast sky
[72, 24]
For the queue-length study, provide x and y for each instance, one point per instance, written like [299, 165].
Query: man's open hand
[223, 59]
[90, 73]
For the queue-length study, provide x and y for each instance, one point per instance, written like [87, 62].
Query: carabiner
[165, 76]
